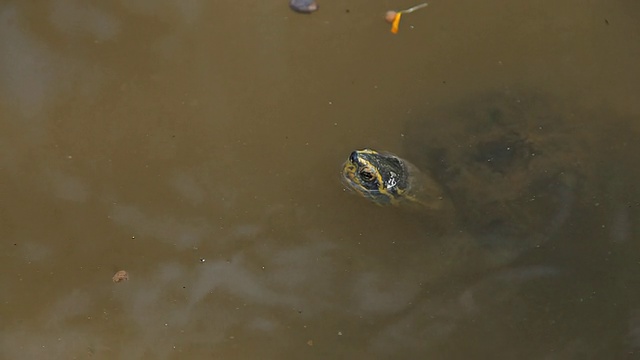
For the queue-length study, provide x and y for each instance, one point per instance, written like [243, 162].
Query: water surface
[197, 145]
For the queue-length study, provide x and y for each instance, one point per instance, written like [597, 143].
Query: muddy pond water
[198, 145]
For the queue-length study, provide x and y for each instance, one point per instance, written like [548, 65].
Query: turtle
[503, 165]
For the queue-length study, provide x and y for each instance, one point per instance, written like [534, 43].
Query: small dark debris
[120, 276]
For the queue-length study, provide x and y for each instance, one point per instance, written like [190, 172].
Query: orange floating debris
[393, 17]
[396, 22]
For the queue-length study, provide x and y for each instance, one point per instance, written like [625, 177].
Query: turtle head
[380, 177]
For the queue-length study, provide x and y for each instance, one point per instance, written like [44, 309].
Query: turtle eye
[366, 174]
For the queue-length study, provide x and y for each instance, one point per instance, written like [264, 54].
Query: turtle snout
[354, 157]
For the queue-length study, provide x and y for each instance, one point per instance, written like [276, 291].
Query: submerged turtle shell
[511, 163]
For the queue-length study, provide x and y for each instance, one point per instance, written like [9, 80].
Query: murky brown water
[198, 144]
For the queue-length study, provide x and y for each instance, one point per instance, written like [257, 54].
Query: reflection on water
[201, 153]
